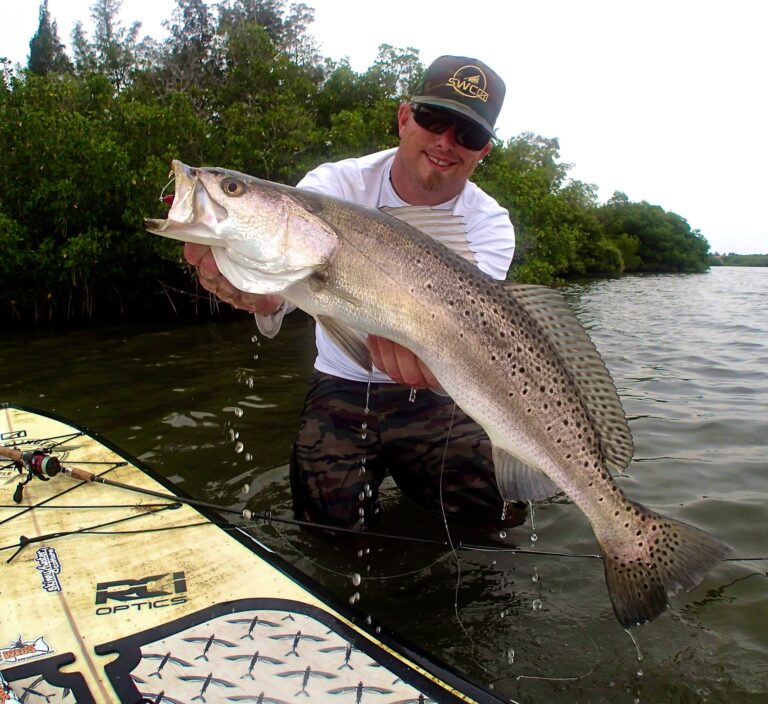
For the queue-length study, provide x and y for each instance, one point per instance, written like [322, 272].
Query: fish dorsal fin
[586, 368]
[352, 342]
[520, 482]
[440, 224]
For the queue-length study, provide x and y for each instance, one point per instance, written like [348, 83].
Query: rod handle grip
[80, 474]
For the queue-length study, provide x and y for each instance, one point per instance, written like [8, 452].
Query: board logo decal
[47, 563]
[13, 435]
[20, 650]
[154, 592]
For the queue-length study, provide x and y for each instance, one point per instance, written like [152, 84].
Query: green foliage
[664, 240]
[738, 259]
[46, 52]
[559, 235]
[85, 149]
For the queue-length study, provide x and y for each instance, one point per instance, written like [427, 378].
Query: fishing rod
[44, 466]
[40, 464]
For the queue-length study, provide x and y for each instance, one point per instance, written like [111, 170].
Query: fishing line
[346, 575]
[473, 647]
[269, 518]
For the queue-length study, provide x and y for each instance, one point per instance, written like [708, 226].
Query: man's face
[434, 164]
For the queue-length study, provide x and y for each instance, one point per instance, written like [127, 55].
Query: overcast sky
[664, 100]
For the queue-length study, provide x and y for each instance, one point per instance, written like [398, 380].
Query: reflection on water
[215, 409]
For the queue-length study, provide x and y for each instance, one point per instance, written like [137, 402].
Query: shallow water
[689, 355]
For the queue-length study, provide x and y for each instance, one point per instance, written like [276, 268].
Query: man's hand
[201, 257]
[400, 363]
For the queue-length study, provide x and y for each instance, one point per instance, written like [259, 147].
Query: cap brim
[456, 107]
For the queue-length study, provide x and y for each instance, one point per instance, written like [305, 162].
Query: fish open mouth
[191, 205]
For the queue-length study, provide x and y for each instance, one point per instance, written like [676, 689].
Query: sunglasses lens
[473, 138]
[437, 121]
[432, 120]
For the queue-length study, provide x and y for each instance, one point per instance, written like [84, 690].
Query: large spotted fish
[512, 357]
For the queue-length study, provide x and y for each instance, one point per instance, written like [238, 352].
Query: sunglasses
[467, 134]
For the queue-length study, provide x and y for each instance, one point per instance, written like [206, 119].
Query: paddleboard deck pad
[110, 596]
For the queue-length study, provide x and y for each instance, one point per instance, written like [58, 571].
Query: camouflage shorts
[343, 453]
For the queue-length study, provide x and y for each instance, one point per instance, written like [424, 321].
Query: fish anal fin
[353, 343]
[519, 481]
[658, 557]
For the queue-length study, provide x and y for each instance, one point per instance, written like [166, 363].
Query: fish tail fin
[658, 557]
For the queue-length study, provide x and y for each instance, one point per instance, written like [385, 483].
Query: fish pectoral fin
[319, 281]
[354, 344]
[519, 481]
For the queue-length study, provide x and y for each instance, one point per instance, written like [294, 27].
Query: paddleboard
[111, 596]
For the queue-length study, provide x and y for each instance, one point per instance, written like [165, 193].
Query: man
[356, 429]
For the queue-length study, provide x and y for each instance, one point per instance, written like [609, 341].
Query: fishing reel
[36, 463]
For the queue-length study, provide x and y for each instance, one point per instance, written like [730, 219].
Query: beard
[433, 181]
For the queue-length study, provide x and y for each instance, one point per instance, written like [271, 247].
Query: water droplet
[231, 435]
[367, 551]
[378, 629]
[536, 605]
[255, 338]
[363, 436]
[255, 356]
[364, 426]
[361, 511]
[361, 496]
[356, 579]
[238, 412]
[368, 620]
[246, 488]
[354, 598]
[249, 382]
[369, 492]
[248, 456]
[360, 552]
[639, 673]
[535, 577]
[534, 537]
[239, 447]
[502, 534]
[511, 655]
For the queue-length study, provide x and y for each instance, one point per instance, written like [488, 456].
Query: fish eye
[233, 187]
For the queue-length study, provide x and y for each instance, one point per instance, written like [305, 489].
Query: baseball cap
[465, 86]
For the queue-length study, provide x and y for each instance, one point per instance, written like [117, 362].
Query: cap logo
[470, 82]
